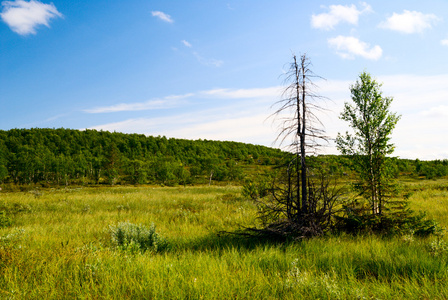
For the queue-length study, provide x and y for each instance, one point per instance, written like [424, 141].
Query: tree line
[66, 156]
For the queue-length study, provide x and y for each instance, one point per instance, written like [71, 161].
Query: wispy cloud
[444, 42]
[162, 16]
[409, 22]
[243, 117]
[439, 112]
[166, 102]
[271, 92]
[244, 128]
[337, 14]
[349, 47]
[179, 100]
[208, 61]
[186, 44]
[24, 17]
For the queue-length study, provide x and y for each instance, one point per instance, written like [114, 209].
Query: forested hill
[65, 156]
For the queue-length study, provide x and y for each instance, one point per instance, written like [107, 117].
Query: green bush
[256, 189]
[395, 223]
[136, 237]
[5, 220]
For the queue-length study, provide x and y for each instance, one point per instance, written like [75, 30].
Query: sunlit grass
[65, 251]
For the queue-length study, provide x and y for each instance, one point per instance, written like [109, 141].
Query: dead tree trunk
[301, 128]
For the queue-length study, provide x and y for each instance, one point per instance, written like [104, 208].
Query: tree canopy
[65, 156]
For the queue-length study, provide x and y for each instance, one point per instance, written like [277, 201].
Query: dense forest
[65, 156]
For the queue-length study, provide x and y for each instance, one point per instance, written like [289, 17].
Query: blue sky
[212, 69]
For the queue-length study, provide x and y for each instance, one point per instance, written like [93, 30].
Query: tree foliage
[65, 156]
[369, 145]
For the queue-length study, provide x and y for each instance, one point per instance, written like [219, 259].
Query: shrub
[256, 189]
[136, 237]
[5, 220]
[395, 223]
[438, 247]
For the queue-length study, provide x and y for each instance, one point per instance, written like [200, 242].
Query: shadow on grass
[227, 240]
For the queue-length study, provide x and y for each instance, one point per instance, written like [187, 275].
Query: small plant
[5, 220]
[36, 193]
[408, 237]
[85, 209]
[327, 283]
[121, 207]
[438, 246]
[136, 237]
[12, 239]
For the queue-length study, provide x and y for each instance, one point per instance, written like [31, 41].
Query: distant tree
[372, 123]
[65, 156]
[3, 162]
[111, 163]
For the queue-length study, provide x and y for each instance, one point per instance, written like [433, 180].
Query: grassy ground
[55, 244]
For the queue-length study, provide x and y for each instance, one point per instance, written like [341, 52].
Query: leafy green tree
[3, 161]
[64, 156]
[369, 145]
[111, 165]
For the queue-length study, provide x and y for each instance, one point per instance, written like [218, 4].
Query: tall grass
[58, 246]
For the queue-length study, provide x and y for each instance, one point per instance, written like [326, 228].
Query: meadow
[56, 244]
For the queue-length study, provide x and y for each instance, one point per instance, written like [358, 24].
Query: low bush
[5, 220]
[136, 237]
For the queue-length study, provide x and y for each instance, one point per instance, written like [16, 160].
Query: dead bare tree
[302, 126]
[301, 200]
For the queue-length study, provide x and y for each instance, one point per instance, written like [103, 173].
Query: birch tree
[369, 144]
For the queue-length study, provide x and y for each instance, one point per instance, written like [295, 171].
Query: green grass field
[56, 244]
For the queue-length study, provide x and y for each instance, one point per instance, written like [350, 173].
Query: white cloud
[23, 17]
[162, 16]
[416, 93]
[444, 42]
[438, 112]
[186, 44]
[248, 129]
[348, 47]
[337, 14]
[177, 100]
[210, 62]
[409, 22]
[167, 102]
[243, 123]
[242, 128]
[421, 100]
